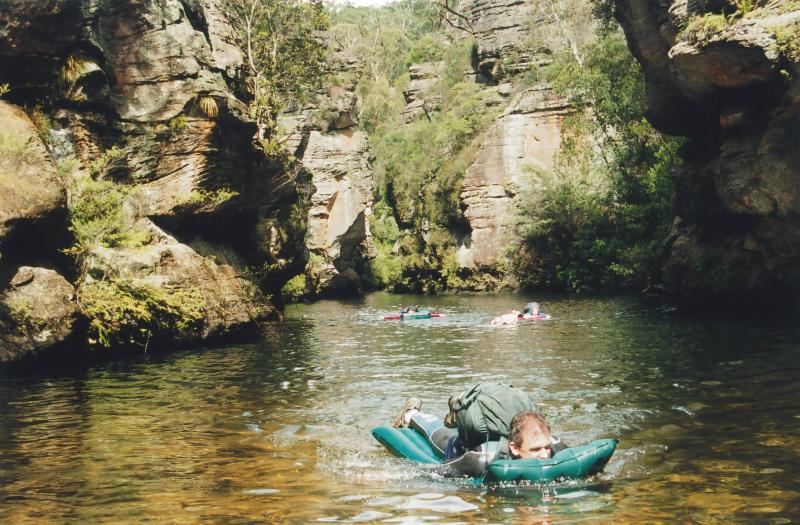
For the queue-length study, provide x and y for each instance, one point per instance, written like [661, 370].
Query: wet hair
[530, 421]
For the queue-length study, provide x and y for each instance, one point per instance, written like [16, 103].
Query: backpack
[484, 413]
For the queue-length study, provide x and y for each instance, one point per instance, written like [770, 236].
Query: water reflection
[278, 431]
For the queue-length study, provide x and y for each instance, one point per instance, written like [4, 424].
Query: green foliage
[597, 221]
[177, 124]
[744, 7]
[429, 48]
[122, 313]
[66, 168]
[416, 175]
[419, 167]
[701, 29]
[788, 39]
[72, 70]
[298, 217]
[41, 121]
[381, 105]
[207, 105]
[457, 60]
[4, 88]
[326, 115]
[604, 12]
[272, 147]
[101, 215]
[283, 46]
[383, 39]
[385, 268]
[110, 160]
[594, 223]
[208, 199]
[295, 288]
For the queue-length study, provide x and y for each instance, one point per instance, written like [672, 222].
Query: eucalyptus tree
[285, 50]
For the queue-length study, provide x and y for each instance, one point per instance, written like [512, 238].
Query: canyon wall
[728, 80]
[146, 103]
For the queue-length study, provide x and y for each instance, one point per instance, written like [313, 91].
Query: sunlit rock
[520, 144]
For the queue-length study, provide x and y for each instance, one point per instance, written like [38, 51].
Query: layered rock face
[37, 308]
[324, 137]
[32, 196]
[152, 96]
[418, 99]
[520, 144]
[340, 206]
[502, 29]
[730, 84]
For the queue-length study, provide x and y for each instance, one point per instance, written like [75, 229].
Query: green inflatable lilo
[571, 463]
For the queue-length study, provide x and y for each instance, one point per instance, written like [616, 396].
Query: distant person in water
[409, 309]
[506, 319]
[531, 309]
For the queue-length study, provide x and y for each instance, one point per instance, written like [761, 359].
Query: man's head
[529, 437]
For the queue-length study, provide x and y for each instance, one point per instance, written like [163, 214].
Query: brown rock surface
[341, 204]
[162, 83]
[37, 311]
[30, 189]
[502, 29]
[734, 91]
[419, 99]
[338, 160]
[520, 143]
[211, 272]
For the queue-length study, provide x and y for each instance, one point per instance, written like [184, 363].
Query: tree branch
[443, 8]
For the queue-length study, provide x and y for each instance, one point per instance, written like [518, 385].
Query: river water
[278, 431]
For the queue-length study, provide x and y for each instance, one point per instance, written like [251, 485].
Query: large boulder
[203, 280]
[38, 311]
[729, 83]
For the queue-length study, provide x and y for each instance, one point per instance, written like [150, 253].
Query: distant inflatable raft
[419, 314]
[571, 463]
[537, 317]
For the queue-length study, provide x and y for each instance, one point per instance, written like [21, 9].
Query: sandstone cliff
[728, 79]
[150, 99]
[523, 140]
[518, 146]
[324, 136]
[418, 99]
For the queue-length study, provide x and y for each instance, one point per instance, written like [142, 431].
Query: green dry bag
[484, 413]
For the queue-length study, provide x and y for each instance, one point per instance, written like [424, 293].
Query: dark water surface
[707, 413]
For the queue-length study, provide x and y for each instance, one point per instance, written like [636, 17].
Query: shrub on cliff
[101, 215]
[122, 313]
[599, 219]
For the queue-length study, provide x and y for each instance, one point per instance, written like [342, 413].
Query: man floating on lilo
[490, 421]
